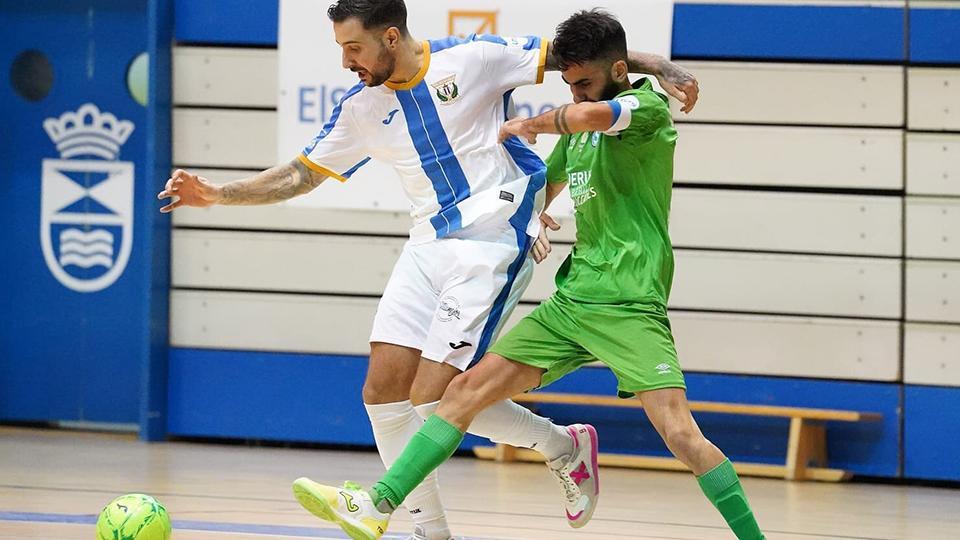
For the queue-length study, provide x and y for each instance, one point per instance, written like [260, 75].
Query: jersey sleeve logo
[631, 102]
[447, 90]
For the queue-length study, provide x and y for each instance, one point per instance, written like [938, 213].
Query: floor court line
[190, 525]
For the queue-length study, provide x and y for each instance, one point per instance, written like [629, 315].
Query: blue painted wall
[867, 34]
[68, 355]
[931, 432]
[935, 35]
[707, 31]
[315, 398]
[270, 396]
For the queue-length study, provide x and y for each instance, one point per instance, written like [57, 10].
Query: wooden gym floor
[54, 482]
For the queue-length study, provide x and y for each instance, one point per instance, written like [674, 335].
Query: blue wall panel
[269, 396]
[788, 32]
[227, 22]
[932, 433]
[317, 398]
[935, 35]
[71, 347]
[864, 448]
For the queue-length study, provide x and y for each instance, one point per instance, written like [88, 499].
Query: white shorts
[449, 298]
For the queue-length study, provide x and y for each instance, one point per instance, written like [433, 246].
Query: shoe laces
[353, 486]
[570, 488]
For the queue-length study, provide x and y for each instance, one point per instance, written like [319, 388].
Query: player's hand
[190, 190]
[516, 127]
[679, 83]
[541, 248]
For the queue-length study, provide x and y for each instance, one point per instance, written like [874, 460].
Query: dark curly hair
[372, 14]
[587, 36]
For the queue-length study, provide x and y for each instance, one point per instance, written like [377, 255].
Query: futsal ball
[133, 517]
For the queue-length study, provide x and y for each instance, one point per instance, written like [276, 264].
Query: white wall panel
[225, 138]
[787, 284]
[788, 346]
[271, 322]
[933, 291]
[225, 76]
[843, 224]
[932, 354]
[933, 228]
[286, 262]
[704, 280]
[934, 98]
[933, 164]
[789, 156]
[782, 346]
[797, 94]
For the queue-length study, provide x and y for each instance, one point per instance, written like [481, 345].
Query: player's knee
[682, 439]
[422, 394]
[377, 391]
[465, 391]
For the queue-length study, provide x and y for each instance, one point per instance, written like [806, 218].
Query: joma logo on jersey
[86, 209]
[447, 90]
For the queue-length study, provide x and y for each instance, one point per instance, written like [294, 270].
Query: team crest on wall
[86, 210]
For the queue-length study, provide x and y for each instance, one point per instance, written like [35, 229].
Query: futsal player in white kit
[433, 110]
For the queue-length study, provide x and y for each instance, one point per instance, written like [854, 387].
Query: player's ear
[619, 71]
[392, 37]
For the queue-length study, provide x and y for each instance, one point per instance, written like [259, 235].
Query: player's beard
[386, 63]
[611, 89]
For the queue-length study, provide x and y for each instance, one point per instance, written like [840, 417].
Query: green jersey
[620, 183]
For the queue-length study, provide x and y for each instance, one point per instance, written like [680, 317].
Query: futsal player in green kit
[616, 155]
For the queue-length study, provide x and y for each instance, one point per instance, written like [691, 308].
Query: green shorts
[633, 340]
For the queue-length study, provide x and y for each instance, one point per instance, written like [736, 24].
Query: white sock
[509, 423]
[394, 424]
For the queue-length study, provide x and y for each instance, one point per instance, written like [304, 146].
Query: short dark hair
[587, 36]
[371, 13]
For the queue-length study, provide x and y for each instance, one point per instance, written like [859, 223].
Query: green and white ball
[133, 517]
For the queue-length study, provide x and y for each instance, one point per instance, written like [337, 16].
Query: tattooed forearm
[562, 116]
[560, 120]
[272, 185]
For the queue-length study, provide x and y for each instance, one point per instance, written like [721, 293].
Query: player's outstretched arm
[569, 118]
[270, 186]
[674, 79]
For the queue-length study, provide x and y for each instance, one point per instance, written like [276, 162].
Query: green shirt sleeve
[557, 161]
[649, 113]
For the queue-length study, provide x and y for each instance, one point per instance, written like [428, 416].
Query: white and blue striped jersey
[440, 133]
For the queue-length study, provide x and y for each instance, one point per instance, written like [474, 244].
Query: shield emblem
[447, 90]
[86, 221]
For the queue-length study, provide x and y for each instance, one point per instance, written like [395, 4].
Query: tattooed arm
[569, 118]
[270, 186]
[675, 80]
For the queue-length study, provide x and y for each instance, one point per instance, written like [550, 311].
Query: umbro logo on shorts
[663, 369]
[460, 345]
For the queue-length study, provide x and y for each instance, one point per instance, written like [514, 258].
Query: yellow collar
[420, 74]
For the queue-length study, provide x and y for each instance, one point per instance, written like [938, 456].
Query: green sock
[436, 441]
[722, 486]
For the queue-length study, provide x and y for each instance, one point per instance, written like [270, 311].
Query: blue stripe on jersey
[519, 222]
[436, 156]
[437, 45]
[353, 169]
[525, 158]
[328, 127]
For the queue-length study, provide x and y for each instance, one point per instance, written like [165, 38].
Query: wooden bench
[806, 446]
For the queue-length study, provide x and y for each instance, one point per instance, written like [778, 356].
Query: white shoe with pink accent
[578, 476]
